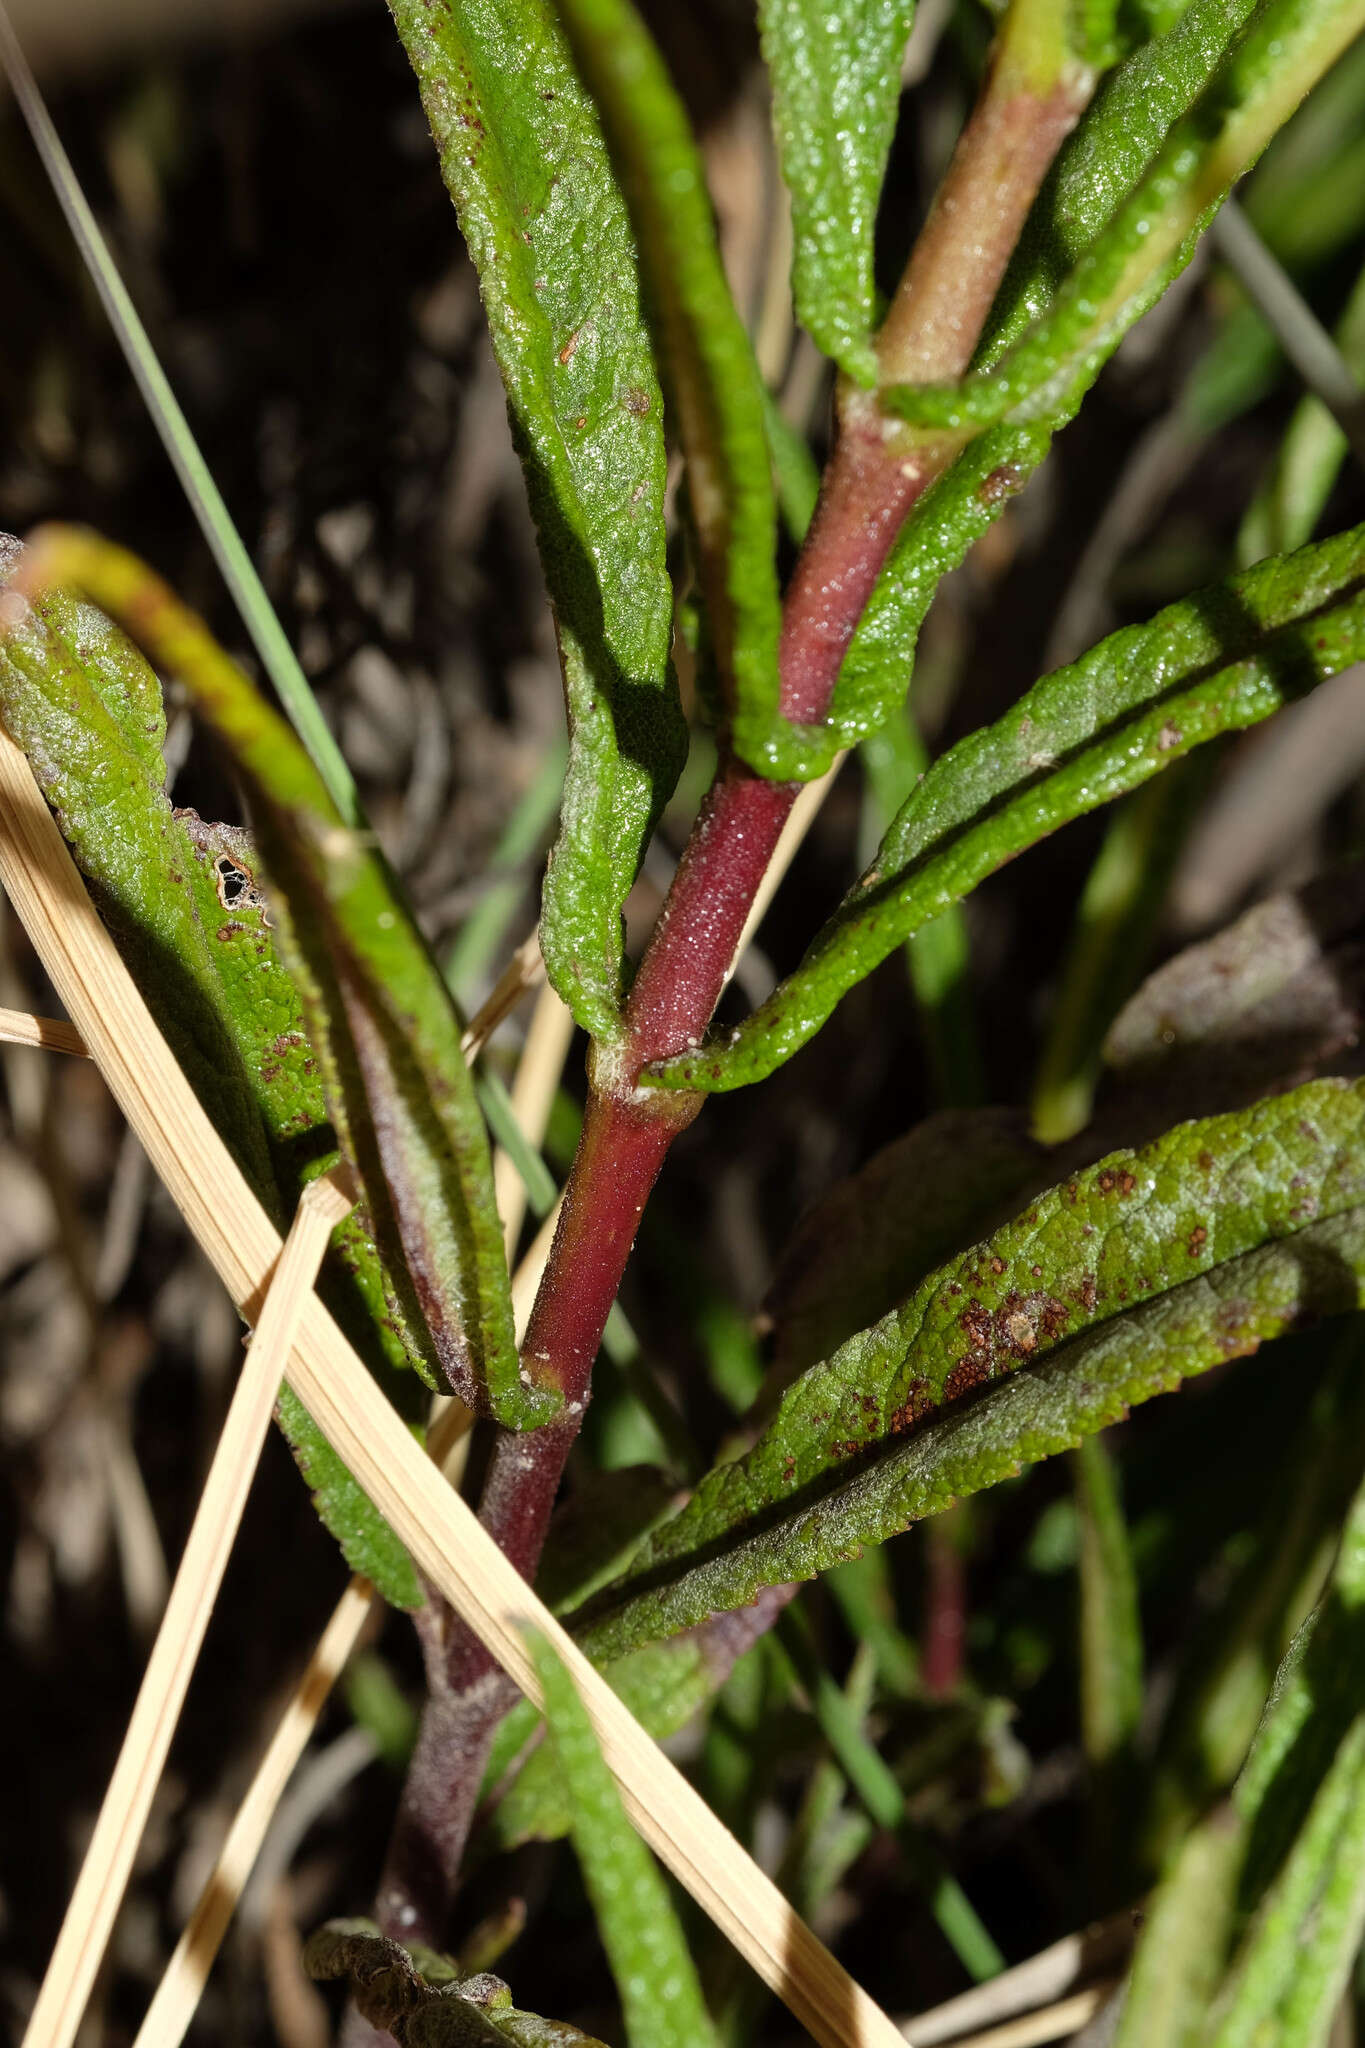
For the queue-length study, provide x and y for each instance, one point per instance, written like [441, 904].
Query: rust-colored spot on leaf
[1198, 1238]
[975, 1324]
[972, 1372]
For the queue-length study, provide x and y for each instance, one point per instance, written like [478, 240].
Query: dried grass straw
[440, 1530]
[183, 1981]
[109, 1860]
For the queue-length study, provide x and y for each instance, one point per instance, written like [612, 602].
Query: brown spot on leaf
[975, 1324]
[972, 1372]
[1197, 1240]
[1002, 483]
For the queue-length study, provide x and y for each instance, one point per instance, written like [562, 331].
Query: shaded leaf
[1215, 662]
[1177, 1962]
[380, 1019]
[523, 158]
[415, 1995]
[1265, 999]
[1298, 1871]
[655, 1977]
[1222, 1687]
[836, 87]
[1043, 1318]
[866, 1243]
[182, 901]
[715, 393]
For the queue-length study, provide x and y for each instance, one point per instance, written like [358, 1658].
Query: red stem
[875, 475]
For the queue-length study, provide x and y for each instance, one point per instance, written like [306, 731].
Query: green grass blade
[938, 957]
[1294, 496]
[1134, 705]
[1116, 922]
[1110, 1661]
[660, 1996]
[205, 499]
[875, 1784]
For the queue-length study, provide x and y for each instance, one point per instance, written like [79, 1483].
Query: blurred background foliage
[923, 1729]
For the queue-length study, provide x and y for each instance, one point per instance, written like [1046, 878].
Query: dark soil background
[278, 214]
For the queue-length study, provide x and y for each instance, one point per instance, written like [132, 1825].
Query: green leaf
[1115, 142]
[1044, 1317]
[1221, 1689]
[182, 902]
[836, 87]
[1318, 1888]
[1216, 662]
[655, 1977]
[523, 158]
[1285, 47]
[381, 1021]
[715, 393]
[416, 1996]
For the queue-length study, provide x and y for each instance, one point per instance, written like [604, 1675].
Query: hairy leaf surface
[836, 85]
[523, 158]
[1110, 1288]
[1216, 662]
[182, 901]
[1113, 148]
[381, 1021]
[714, 388]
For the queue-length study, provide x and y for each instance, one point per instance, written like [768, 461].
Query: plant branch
[875, 475]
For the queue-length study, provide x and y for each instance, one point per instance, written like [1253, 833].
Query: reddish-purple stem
[874, 477]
